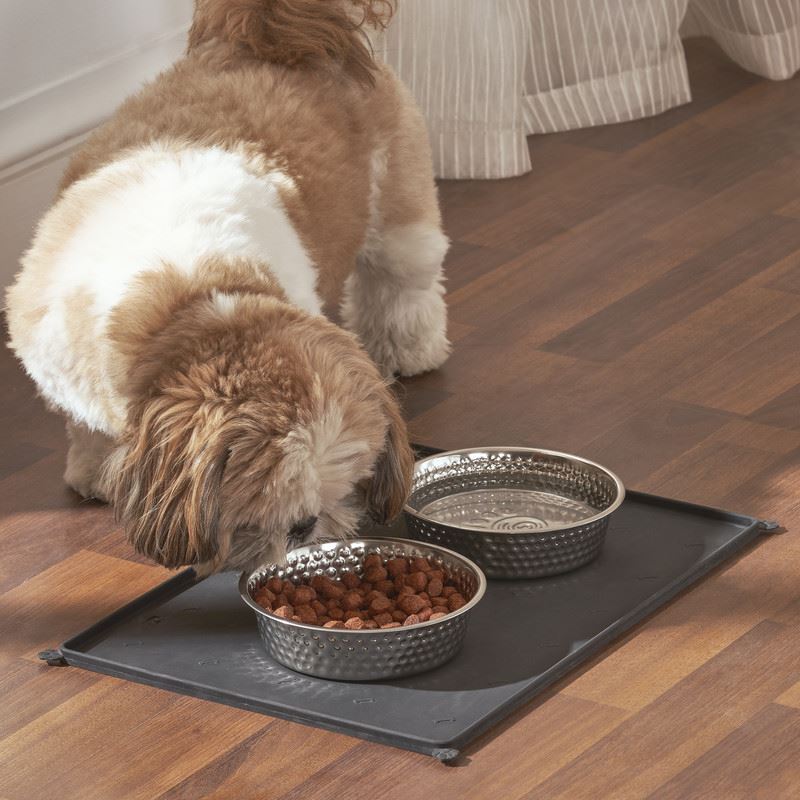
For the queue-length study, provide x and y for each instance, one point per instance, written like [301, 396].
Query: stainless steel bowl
[366, 654]
[517, 512]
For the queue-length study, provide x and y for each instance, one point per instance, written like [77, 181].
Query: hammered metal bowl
[366, 654]
[517, 512]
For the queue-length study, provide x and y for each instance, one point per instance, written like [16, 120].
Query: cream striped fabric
[487, 73]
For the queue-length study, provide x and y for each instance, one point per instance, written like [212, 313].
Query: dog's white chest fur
[154, 207]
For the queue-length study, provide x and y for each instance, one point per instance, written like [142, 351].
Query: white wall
[64, 66]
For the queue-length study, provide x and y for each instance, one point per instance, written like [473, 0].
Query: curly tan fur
[297, 33]
[221, 403]
[229, 412]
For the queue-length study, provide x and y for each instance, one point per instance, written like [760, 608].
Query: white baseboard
[55, 113]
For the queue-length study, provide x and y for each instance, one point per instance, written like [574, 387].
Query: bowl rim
[407, 509]
[245, 576]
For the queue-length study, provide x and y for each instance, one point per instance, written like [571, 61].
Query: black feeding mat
[198, 638]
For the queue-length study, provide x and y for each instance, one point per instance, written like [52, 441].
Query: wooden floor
[635, 299]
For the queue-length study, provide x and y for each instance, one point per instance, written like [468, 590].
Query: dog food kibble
[397, 566]
[388, 594]
[303, 595]
[350, 580]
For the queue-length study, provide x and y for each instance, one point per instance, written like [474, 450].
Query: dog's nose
[299, 531]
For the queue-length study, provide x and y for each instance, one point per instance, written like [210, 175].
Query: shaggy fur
[173, 301]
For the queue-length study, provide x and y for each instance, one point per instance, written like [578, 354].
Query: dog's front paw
[405, 333]
[86, 488]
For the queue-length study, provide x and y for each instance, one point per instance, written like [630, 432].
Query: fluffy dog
[173, 302]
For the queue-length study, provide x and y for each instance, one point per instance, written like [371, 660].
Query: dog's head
[259, 436]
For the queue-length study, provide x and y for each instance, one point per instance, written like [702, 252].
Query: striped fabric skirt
[488, 73]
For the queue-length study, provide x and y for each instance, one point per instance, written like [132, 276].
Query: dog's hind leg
[394, 301]
[88, 451]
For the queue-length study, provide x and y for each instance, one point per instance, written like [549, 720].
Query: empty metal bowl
[517, 512]
[366, 654]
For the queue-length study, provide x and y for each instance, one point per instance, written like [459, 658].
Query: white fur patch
[323, 461]
[224, 303]
[157, 206]
[395, 299]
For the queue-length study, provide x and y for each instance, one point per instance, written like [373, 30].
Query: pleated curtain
[488, 73]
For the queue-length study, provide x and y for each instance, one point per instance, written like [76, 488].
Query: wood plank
[277, 759]
[663, 302]
[68, 597]
[757, 374]
[669, 734]
[761, 759]
[694, 628]
[118, 739]
[738, 206]
[30, 690]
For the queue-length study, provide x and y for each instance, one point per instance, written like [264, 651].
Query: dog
[178, 301]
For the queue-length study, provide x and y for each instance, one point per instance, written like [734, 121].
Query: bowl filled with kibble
[364, 609]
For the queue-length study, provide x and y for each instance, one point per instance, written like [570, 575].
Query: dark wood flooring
[635, 299]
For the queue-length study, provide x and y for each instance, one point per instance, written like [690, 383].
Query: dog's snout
[300, 530]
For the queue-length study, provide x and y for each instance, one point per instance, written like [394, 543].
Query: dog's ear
[166, 480]
[387, 489]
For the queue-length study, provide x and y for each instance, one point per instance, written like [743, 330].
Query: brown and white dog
[172, 302]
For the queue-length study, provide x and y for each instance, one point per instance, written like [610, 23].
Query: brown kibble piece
[397, 566]
[281, 600]
[373, 560]
[275, 585]
[455, 601]
[380, 604]
[411, 619]
[287, 612]
[352, 601]
[370, 624]
[420, 565]
[334, 623]
[354, 624]
[288, 588]
[383, 619]
[435, 587]
[303, 595]
[448, 590]
[436, 575]
[391, 625]
[417, 581]
[439, 609]
[425, 614]
[331, 589]
[306, 614]
[375, 574]
[411, 604]
[398, 615]
[319, 608]
[317, 582]
[350, 580]
[438, 601]
[385, 587]
[336, 613]
[438, 614]
[404, 590]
